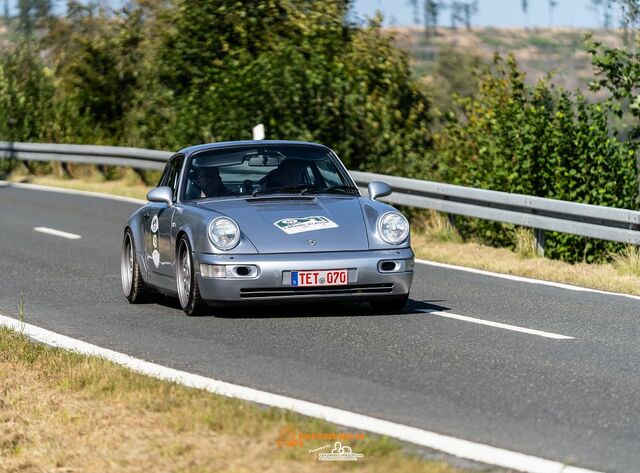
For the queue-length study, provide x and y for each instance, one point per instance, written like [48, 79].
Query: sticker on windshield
[304, 224]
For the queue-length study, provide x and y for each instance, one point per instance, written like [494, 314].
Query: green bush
[26, 95]
[26, 102]
[541, 141]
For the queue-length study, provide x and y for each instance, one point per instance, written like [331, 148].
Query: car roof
[230, 144]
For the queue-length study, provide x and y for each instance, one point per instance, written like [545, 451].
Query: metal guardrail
[605, 223]
[542, 214]
[85, 154]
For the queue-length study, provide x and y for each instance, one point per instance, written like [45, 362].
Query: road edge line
[451, 445]
[64, 190]
[524, 279]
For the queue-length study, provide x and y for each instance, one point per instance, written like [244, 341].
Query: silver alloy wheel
[183, 278]
[126, 265]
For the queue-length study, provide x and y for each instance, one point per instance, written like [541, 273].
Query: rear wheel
[133, 285]
[389, 304]
[187, 284]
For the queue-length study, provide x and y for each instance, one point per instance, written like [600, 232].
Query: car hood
[296, 224]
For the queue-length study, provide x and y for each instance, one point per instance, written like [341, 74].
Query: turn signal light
[213, 270]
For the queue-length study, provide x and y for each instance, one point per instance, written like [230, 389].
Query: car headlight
[393, 228]
[224, 233]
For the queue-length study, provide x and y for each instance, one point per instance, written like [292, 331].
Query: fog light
[409, 264]
[388, 266]
[213, 270]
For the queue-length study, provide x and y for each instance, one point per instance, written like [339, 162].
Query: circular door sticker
[156, 258]
[154, 224]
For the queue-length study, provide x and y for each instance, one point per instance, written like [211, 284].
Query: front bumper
[271, 281]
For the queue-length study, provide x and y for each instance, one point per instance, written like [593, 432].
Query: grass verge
[129, 185]
[434, 239]
[64, 412]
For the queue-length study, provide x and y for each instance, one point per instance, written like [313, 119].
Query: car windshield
[269, 169]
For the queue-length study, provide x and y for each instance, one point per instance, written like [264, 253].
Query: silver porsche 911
[264, 221]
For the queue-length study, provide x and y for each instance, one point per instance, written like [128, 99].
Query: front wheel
[133, 285]
[188, 290]
[389, 304]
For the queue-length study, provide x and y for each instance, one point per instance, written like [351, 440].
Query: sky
[496, 13]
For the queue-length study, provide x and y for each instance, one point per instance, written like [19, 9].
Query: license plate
[336, 277]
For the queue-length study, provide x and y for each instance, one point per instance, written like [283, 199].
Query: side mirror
[162, 194]
[378, 189]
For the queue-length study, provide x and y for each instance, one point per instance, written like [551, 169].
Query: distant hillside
[538, 50]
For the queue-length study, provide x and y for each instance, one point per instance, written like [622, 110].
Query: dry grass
[622, 275]
[63, 412]
[628, 262]
[436, 227]
[526, 243]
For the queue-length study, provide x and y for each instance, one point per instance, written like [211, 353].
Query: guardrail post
[540, 240]
[452, 220]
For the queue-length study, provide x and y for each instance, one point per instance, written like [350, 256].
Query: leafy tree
[596, 5]
[552, 6]
[26, 95]
[630, 10]
[26, 99]
[431, 13]
[602, 9]
[415, 6]
[307, 76]
[98, 60]
[607, 15]
[31, 13]
[462, 12]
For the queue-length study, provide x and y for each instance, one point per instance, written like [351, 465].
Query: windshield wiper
[341, 188]
[291, 188]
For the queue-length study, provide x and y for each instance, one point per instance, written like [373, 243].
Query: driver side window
[171, 176]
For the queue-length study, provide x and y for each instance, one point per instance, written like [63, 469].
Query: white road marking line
[451, 445]
[490, 323]
[511, 277]
[62, 190]
[58, 233]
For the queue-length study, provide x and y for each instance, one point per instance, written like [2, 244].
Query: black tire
[188, 294]
[389, 304]
[133, 285]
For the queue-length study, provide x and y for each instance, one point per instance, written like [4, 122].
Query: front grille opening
[252, 293]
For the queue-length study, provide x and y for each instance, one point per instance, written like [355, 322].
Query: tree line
[432, 13]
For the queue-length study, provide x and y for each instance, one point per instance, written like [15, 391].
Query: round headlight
[393, 228]
[224, 233]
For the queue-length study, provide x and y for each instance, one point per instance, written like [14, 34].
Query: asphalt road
[574, 400]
